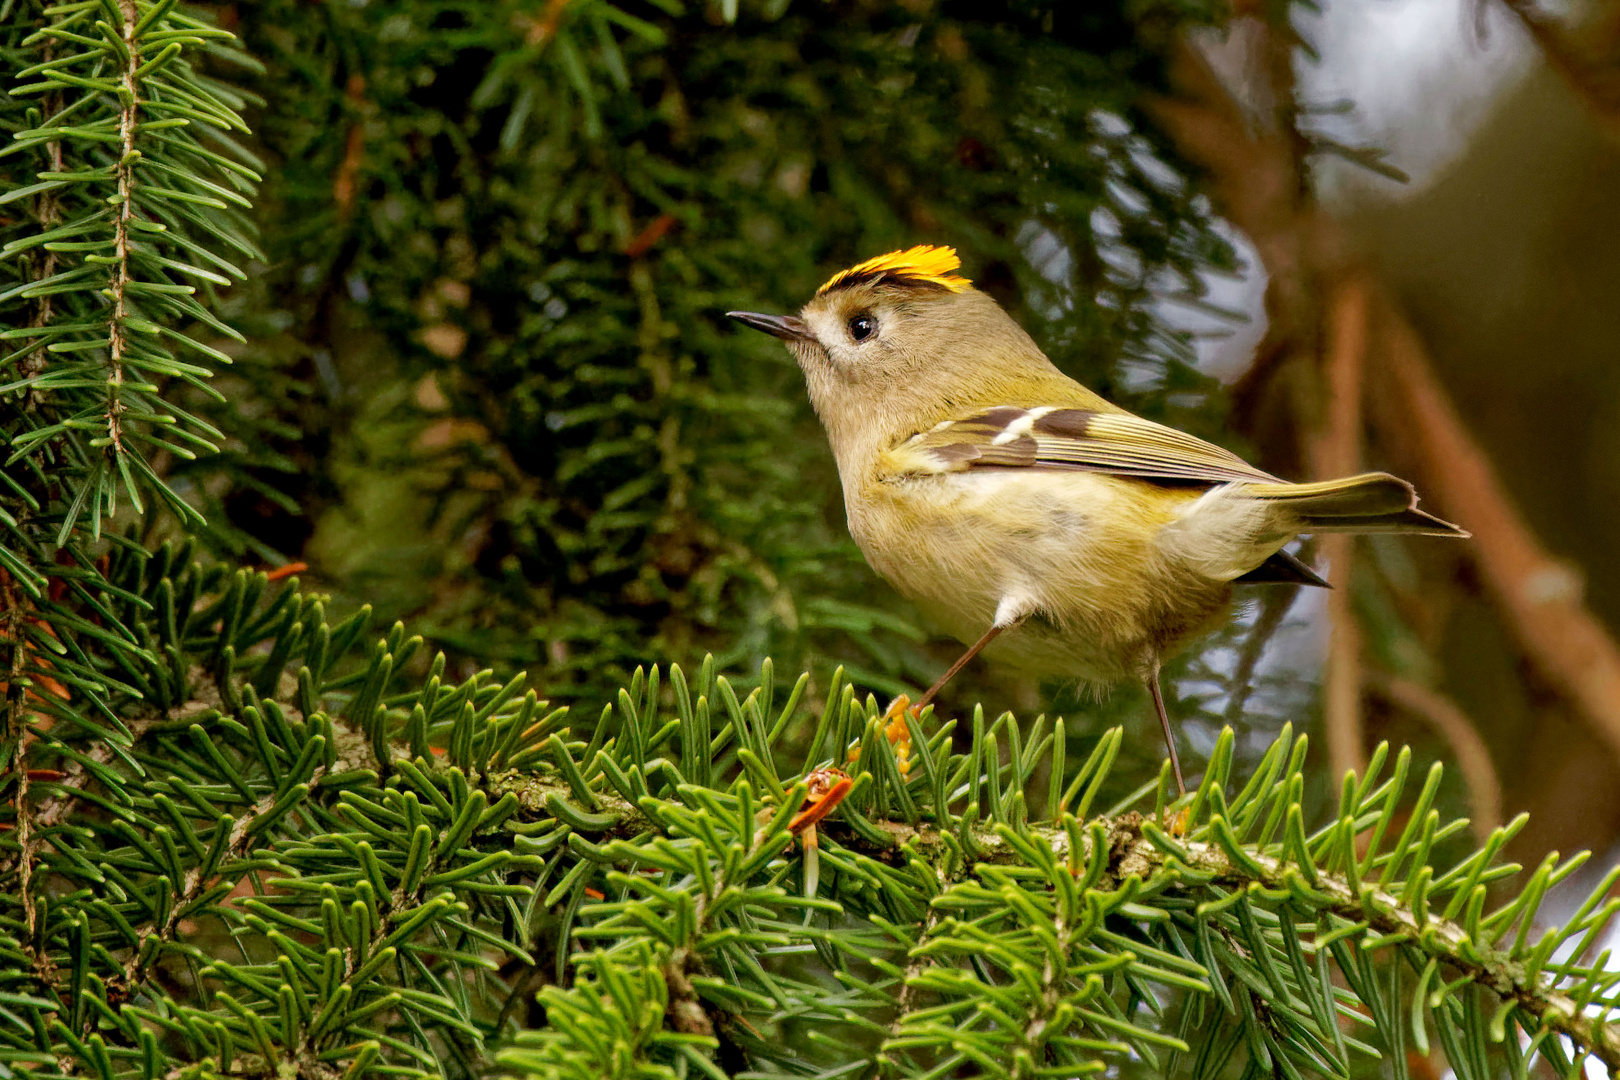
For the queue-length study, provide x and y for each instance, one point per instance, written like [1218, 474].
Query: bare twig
[1337, 452]
[345, 182]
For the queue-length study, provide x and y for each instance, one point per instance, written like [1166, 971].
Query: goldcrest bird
[1048, 528]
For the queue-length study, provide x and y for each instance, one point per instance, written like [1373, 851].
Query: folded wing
[1120, 444]
[1116, 443]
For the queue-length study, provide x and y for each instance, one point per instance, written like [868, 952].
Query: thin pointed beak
[786, 327]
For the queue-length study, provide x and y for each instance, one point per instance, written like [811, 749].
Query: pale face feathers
[927, 354]
[919, 337]
[859, 335]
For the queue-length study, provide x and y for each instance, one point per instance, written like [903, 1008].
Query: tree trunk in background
[1508, 266]
[1507, 278]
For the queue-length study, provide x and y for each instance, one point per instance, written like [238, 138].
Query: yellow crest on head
[921, 265]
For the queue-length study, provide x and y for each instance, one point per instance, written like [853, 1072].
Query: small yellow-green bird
[1050, 529]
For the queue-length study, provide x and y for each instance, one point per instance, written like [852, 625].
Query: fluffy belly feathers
[1106, 587]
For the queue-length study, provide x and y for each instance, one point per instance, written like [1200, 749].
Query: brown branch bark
[1540, 594]
[118, 287]
[1337, 452]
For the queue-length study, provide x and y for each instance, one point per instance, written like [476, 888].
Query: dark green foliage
[546, 209]
[356, 871]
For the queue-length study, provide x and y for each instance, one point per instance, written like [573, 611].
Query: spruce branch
[381, 875]
[128, 204]
[1136, 849]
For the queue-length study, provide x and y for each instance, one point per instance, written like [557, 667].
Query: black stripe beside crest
[884, 277]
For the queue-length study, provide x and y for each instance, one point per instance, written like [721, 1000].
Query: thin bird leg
[1164, 722]
[939, 684]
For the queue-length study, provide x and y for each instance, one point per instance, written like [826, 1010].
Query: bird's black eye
[862, 327]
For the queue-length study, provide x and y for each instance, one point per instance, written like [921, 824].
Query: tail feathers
[1412, 521]
[1369, 503]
